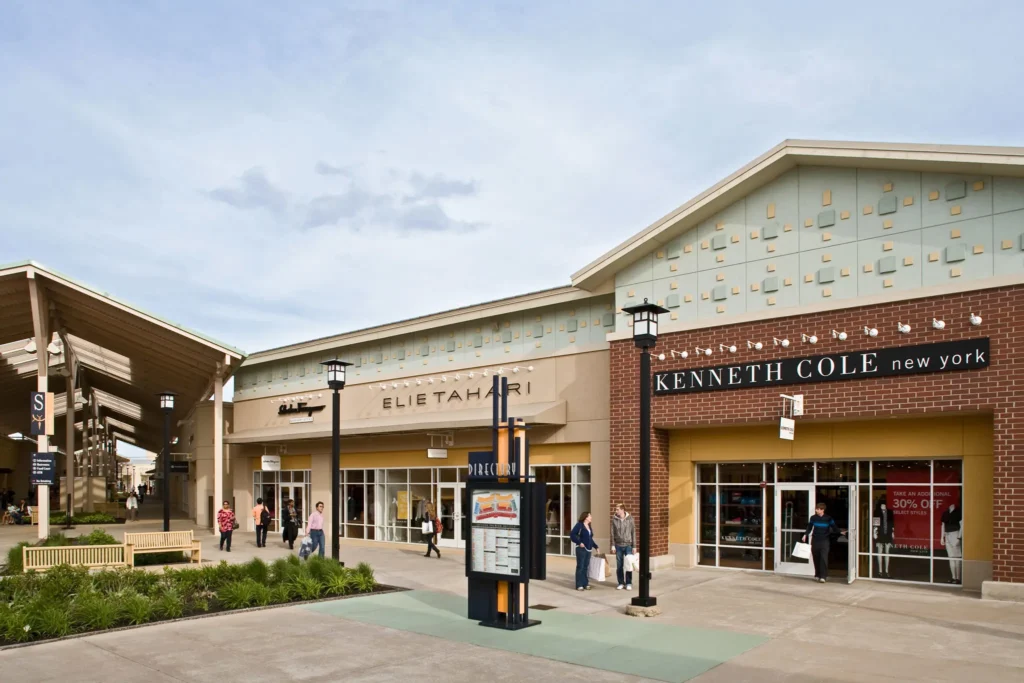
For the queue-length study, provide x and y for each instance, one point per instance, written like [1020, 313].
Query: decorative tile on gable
[827, 218]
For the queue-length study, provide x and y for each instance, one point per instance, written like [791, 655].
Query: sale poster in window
[916, 512]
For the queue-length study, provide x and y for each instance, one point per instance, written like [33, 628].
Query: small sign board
[41, 409]
[437, 453]
[44, 469]
[787, 428]
[179, 467]
[270, 463]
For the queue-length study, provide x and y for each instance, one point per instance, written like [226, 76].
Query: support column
[218, 446]
[40, 328]
[69, 443]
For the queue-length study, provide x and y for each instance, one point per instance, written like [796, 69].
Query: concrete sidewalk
[807, 631]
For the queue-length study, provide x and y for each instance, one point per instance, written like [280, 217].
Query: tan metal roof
[125, 355]
[1006, 161]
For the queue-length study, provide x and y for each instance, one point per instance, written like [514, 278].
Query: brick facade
[997, 390]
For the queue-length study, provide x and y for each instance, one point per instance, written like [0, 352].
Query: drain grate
[543, 608]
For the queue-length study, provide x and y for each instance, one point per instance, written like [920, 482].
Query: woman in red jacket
[226, 524]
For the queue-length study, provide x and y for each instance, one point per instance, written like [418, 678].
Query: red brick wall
[997, 390]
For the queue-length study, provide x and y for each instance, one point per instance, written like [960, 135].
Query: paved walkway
[717, 626]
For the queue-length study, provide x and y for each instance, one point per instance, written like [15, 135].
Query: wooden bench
[42, 558]
[165, 541]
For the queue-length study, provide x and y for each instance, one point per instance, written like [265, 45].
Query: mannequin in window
[884, 537]
[951, 538]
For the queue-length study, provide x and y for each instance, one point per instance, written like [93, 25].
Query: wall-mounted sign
[179, 467]
[297, 420]
[968, 354]
[44, 469]
[787, 428]
[270, 463]
[437, 453]
[483, 465]
[298, 409]
[448, 397]
[41, 409]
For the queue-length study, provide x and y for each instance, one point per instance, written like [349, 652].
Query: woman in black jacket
[290, 524]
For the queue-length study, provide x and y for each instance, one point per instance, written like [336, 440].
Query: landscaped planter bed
[68, 601]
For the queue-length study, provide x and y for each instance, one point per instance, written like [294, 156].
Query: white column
[69, 443]
[40, 328]
[218, 447]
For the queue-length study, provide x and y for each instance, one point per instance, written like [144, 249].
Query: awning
[532, 413]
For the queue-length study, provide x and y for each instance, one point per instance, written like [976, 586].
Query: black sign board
[179, 467]
[41, 411]
[298, 408]
[44, 469]
[968, 354]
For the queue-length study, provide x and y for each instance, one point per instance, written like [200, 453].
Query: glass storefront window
[742, 521]
[740, 473]
[795, 472]
[740, 558]
[706, 474]
[837, 471]
[949, 471]
[901, 471]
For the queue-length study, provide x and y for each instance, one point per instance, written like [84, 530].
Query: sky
[268, 173]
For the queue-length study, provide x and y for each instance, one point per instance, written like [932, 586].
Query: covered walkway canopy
[113, 358]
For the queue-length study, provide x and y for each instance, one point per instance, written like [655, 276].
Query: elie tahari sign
[970, 354]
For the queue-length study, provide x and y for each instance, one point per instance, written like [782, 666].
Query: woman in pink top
[315, 527]
[226, 524]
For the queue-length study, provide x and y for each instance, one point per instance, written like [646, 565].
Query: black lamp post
[167, 406]
[645, 334]
[336, 381]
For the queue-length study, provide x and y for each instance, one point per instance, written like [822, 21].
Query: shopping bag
[596, 571]
[633, 562]
[306, 548]
[802, 550]
[428, 528]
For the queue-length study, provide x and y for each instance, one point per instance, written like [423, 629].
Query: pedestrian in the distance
[226, 524]
[315, 527]
[261, 517]
[132, 505]
[820, 529]
[623, 538]
[430, 515]
[582, 537]
[290, 524]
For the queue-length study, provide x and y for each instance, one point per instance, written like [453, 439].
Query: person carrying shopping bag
[582, 537]
[623, 538]
[315, 528]
[430, 516]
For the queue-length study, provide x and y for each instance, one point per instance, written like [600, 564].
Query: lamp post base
[640, 601]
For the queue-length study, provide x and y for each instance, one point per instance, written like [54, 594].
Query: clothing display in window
[952, 536]
[884, 538]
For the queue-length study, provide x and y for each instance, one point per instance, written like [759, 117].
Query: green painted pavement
[630, 646]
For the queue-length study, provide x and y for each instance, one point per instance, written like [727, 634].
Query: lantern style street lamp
[336, 381]
[645, 334]
[167, 406]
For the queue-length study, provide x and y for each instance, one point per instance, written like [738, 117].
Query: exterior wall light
[661, 356]
[757, 346]
[731, 348]
[784, 343]
[681, 354]
[699, 351]
[938, 324]
[810, 338]
[841, 336]
[975, 319]
[871, 331]
[903, 328]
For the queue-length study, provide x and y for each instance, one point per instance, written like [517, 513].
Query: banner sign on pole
[41, 408]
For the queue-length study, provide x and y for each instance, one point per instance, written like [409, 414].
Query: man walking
[820, 529]
[261, 516]
[623, 538]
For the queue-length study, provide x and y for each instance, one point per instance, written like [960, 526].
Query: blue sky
[268, 173]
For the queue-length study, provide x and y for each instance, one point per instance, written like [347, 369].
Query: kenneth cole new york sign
[970, 354]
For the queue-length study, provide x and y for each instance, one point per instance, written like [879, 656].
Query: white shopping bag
[802, 550]
[633, 562]
[428, 528]
[596, 570]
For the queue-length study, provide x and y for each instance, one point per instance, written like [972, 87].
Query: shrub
[52, 621]
[96, 537]
[321, 569]
[363, 569]
[238, 594]
[55, 540]
[62, 583]
[14, 625]
[257, 570]
[170, 605]
[135, 609]
[306, 588]
[94, 612]
[341, 583]
[15, 557]
[262, 595]
[57, 518]
[364, 583]
[280, 594]
[282, 570]
[150, 559]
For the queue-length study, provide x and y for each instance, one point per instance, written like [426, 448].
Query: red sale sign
[916, 512]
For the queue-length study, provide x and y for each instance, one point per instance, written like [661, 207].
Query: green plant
[96, 537]
[62, 582]
[280, 594]
[321, 569]
[364, 583]
[14, 625]
[52, 621]
[340, 584]
[282, 570]
[257, 570]
[262, 595]
[15, 558]
[170, 605]
[55, 540]
[94, 612]
[237, 594]
[135, 609]
[306, 588]
[57, 518]
[150, 559]
[363, 569]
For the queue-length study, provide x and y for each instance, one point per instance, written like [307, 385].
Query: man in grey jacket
[623, 537]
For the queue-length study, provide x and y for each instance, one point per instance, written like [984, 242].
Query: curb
[382, 590]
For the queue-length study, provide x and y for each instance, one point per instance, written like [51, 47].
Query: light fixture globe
[645, 323]
[167, 401]
[975, 319]
[335, 373]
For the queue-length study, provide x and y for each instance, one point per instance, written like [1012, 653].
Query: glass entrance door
[295, 492]
[793, 509]
[449, 497]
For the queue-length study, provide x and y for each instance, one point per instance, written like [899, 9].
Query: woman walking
[132, 505]
[582, 537]
[430, 515]
[226, 524]
[290, 524]
[315, 528]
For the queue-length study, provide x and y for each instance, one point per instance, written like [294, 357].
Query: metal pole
[645, 599]
[166, 484]
[336, 477]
